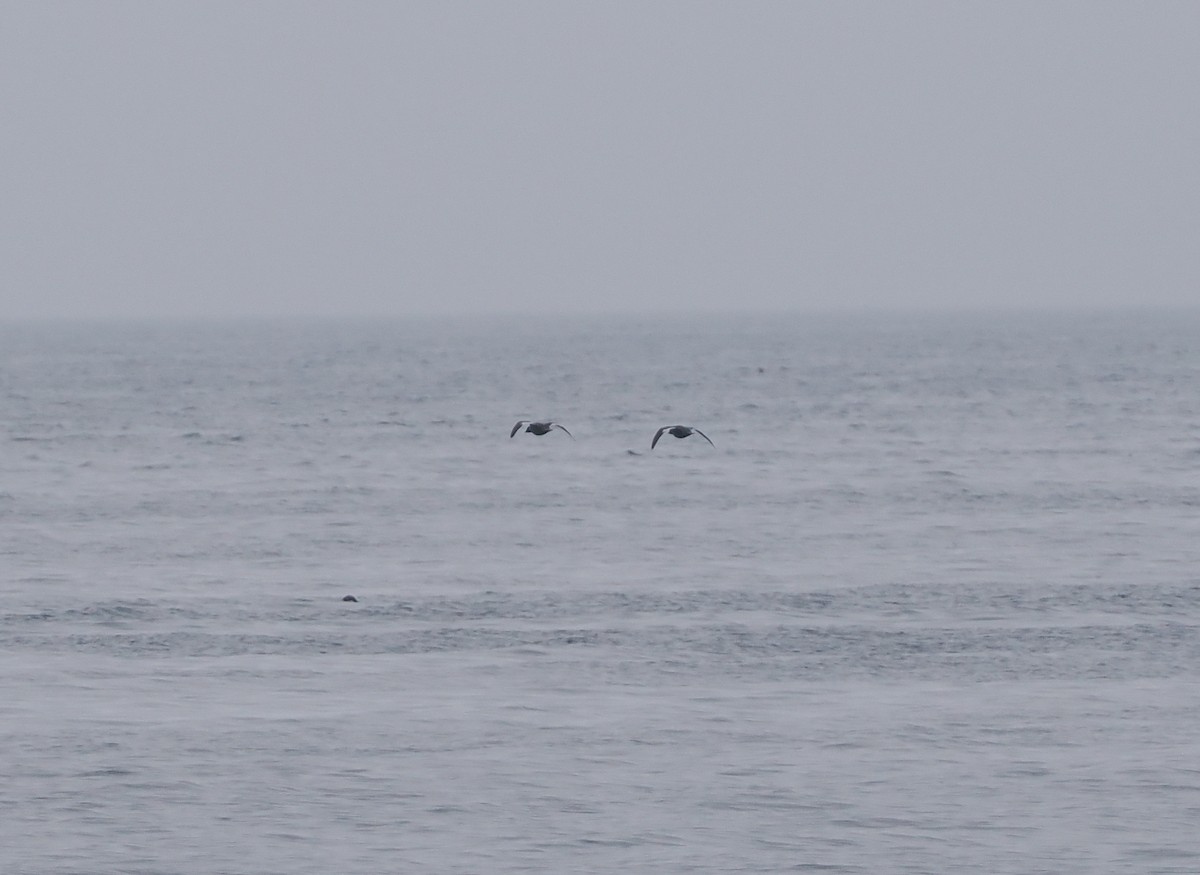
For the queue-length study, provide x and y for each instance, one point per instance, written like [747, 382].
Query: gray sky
[229, 158]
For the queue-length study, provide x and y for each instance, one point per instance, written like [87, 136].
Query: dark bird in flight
[679, 431]
[538, 428]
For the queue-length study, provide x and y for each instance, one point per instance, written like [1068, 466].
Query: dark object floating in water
[679, 431]
[349, 598]
[538, 428]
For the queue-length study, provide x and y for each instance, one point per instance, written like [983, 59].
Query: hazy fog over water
[372, 158]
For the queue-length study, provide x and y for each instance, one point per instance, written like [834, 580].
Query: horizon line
[577, 315]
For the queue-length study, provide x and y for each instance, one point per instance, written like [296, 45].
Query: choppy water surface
[930, 605]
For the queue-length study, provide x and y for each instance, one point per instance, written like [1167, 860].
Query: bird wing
[703, 435]
[657, 435]
[517, 427]
[556, 425]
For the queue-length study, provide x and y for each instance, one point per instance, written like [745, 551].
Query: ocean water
[930, 605]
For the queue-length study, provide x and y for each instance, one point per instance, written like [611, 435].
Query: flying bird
[679, 431]
[538, 428]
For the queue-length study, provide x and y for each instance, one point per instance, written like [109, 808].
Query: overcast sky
[230, 158]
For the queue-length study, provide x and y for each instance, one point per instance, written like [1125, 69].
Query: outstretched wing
[556, 425]
[703, 435]
[517, 427]
[657, 435]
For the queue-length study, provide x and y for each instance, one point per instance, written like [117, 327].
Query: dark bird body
[679, 431]
[538, 428]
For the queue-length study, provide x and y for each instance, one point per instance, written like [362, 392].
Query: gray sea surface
[930, 605]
